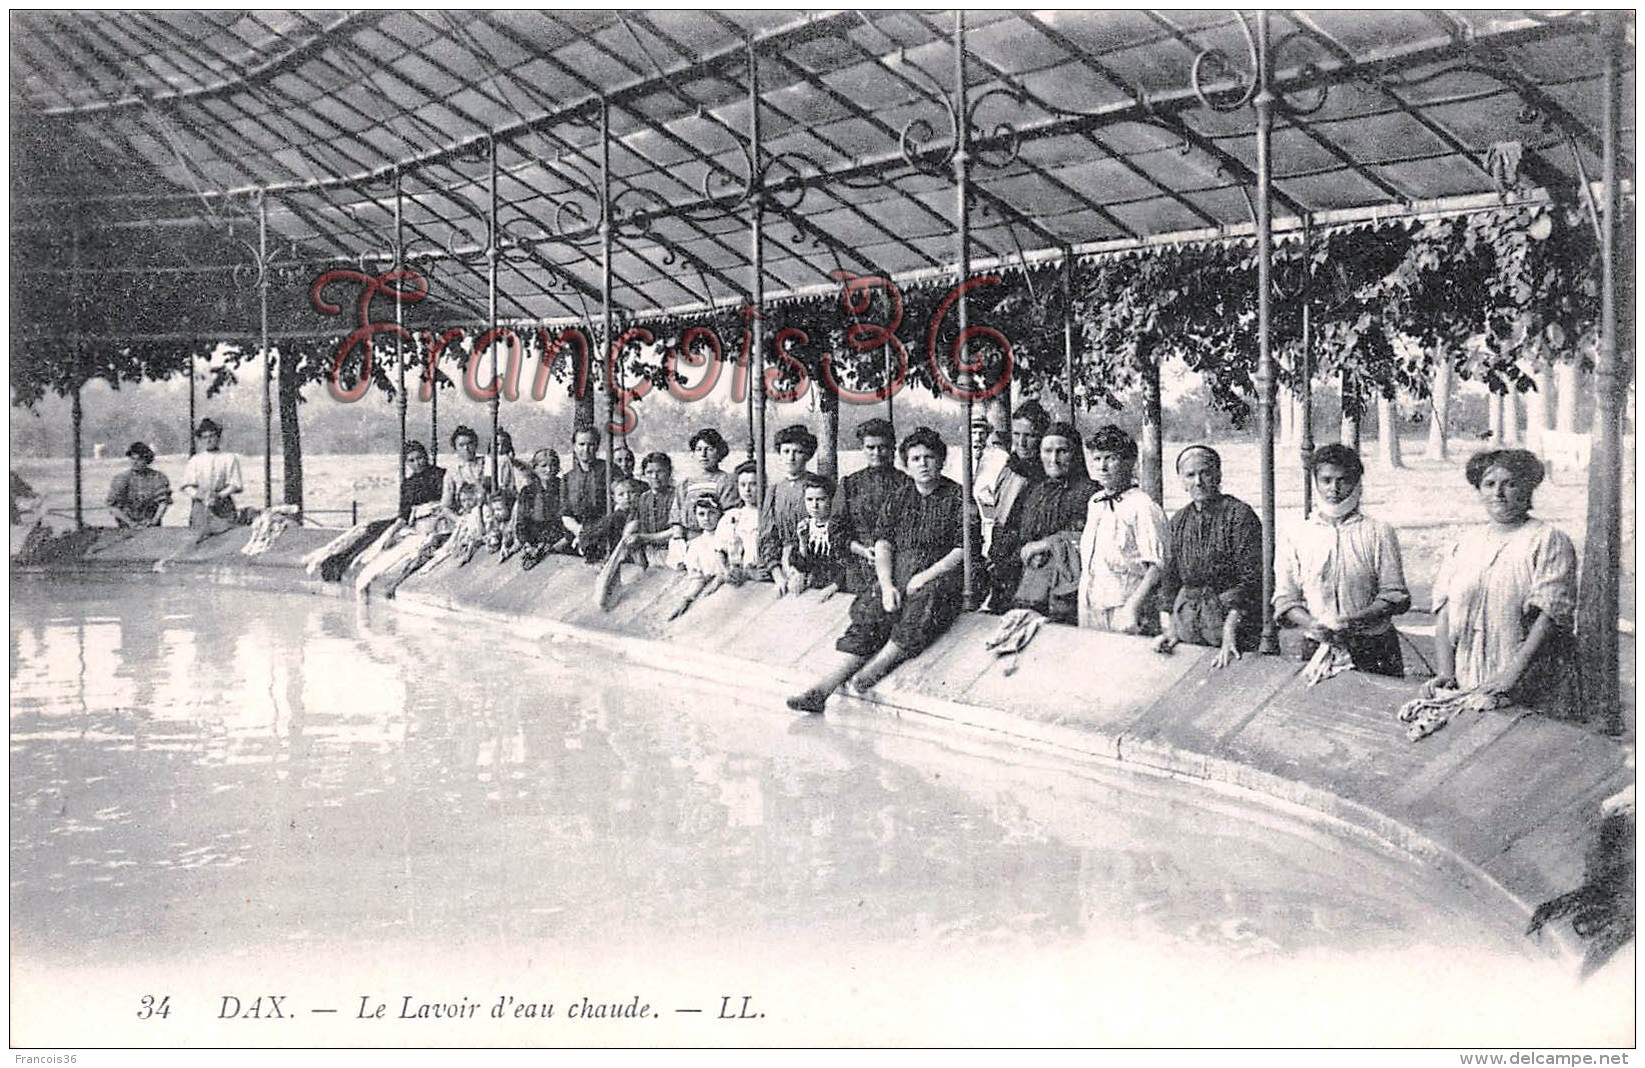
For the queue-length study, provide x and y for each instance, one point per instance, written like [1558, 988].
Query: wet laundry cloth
[1430, 712]
[312, 562]
[269, 525]
[1017, 628]
[1328, 661]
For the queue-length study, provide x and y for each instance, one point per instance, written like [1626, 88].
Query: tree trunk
[1493, 406]
[1567, 385]
[584, 412]
[1350, 433]
[291, 438]
[1153, 476]
[1388, 433]
[828, 457]
[78, 415]
[1510, 419]
[1439, 409]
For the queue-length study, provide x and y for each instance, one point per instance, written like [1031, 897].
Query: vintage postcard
[708, 528]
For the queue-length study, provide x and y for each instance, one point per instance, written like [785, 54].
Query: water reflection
[195, 768]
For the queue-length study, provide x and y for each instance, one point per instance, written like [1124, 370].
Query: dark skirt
[214, 520]
[1377, 654]
[924, 616]
[1198, 617]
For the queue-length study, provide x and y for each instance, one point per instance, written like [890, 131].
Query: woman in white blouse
[211, 478]
[1505, 595]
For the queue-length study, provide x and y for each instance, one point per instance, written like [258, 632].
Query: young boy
[1123, 546]
[605, 536]
[784, 505]
[820, 555]
[613, 540]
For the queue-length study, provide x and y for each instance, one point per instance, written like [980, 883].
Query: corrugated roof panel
[287, 101]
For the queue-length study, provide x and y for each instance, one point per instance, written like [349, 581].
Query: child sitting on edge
[737, 533]
[708, 559]
[819, 555]
[607, 536]
[653, 507]
[535, 529]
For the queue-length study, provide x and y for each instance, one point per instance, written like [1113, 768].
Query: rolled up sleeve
[1391, 585]
[1553, 579]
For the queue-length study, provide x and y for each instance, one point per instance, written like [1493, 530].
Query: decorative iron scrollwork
[1213, 68]
[280, 262]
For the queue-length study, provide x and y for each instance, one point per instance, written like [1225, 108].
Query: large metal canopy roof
[1091, 129]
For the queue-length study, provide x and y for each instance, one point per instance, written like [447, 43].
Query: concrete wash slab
[1101, 683]
[785, 629]
[1343, 737]
[1509, 796]
[1536, 767]
[1553, 854]
[1206, 705]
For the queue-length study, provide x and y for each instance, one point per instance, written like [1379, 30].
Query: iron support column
[1305, 394]
[399, 343]
[262, 310]
[890, 395]
[77, 413]
[756, 259]
[1305, 374]
[193, 357]
[1597, 609]
[1265, 355]
[606, 337]
[962, 227]
[492, 254]
[1068, 329]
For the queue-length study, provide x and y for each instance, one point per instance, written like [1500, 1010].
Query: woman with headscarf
[1505, 594]
[1211, 584]
[1034, 557]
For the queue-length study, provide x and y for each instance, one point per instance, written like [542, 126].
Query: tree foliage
[1493, 291]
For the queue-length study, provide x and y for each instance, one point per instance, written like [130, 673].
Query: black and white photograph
[881, 528]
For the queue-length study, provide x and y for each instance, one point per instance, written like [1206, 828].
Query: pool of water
[199, 771]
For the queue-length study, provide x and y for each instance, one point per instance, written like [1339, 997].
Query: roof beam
[249, 77]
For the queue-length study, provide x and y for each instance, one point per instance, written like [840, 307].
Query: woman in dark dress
[918, 561]
[1035, 552]
[1211, 583]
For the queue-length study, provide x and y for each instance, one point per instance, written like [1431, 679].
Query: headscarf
[1343, 508]
[1206, 449]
